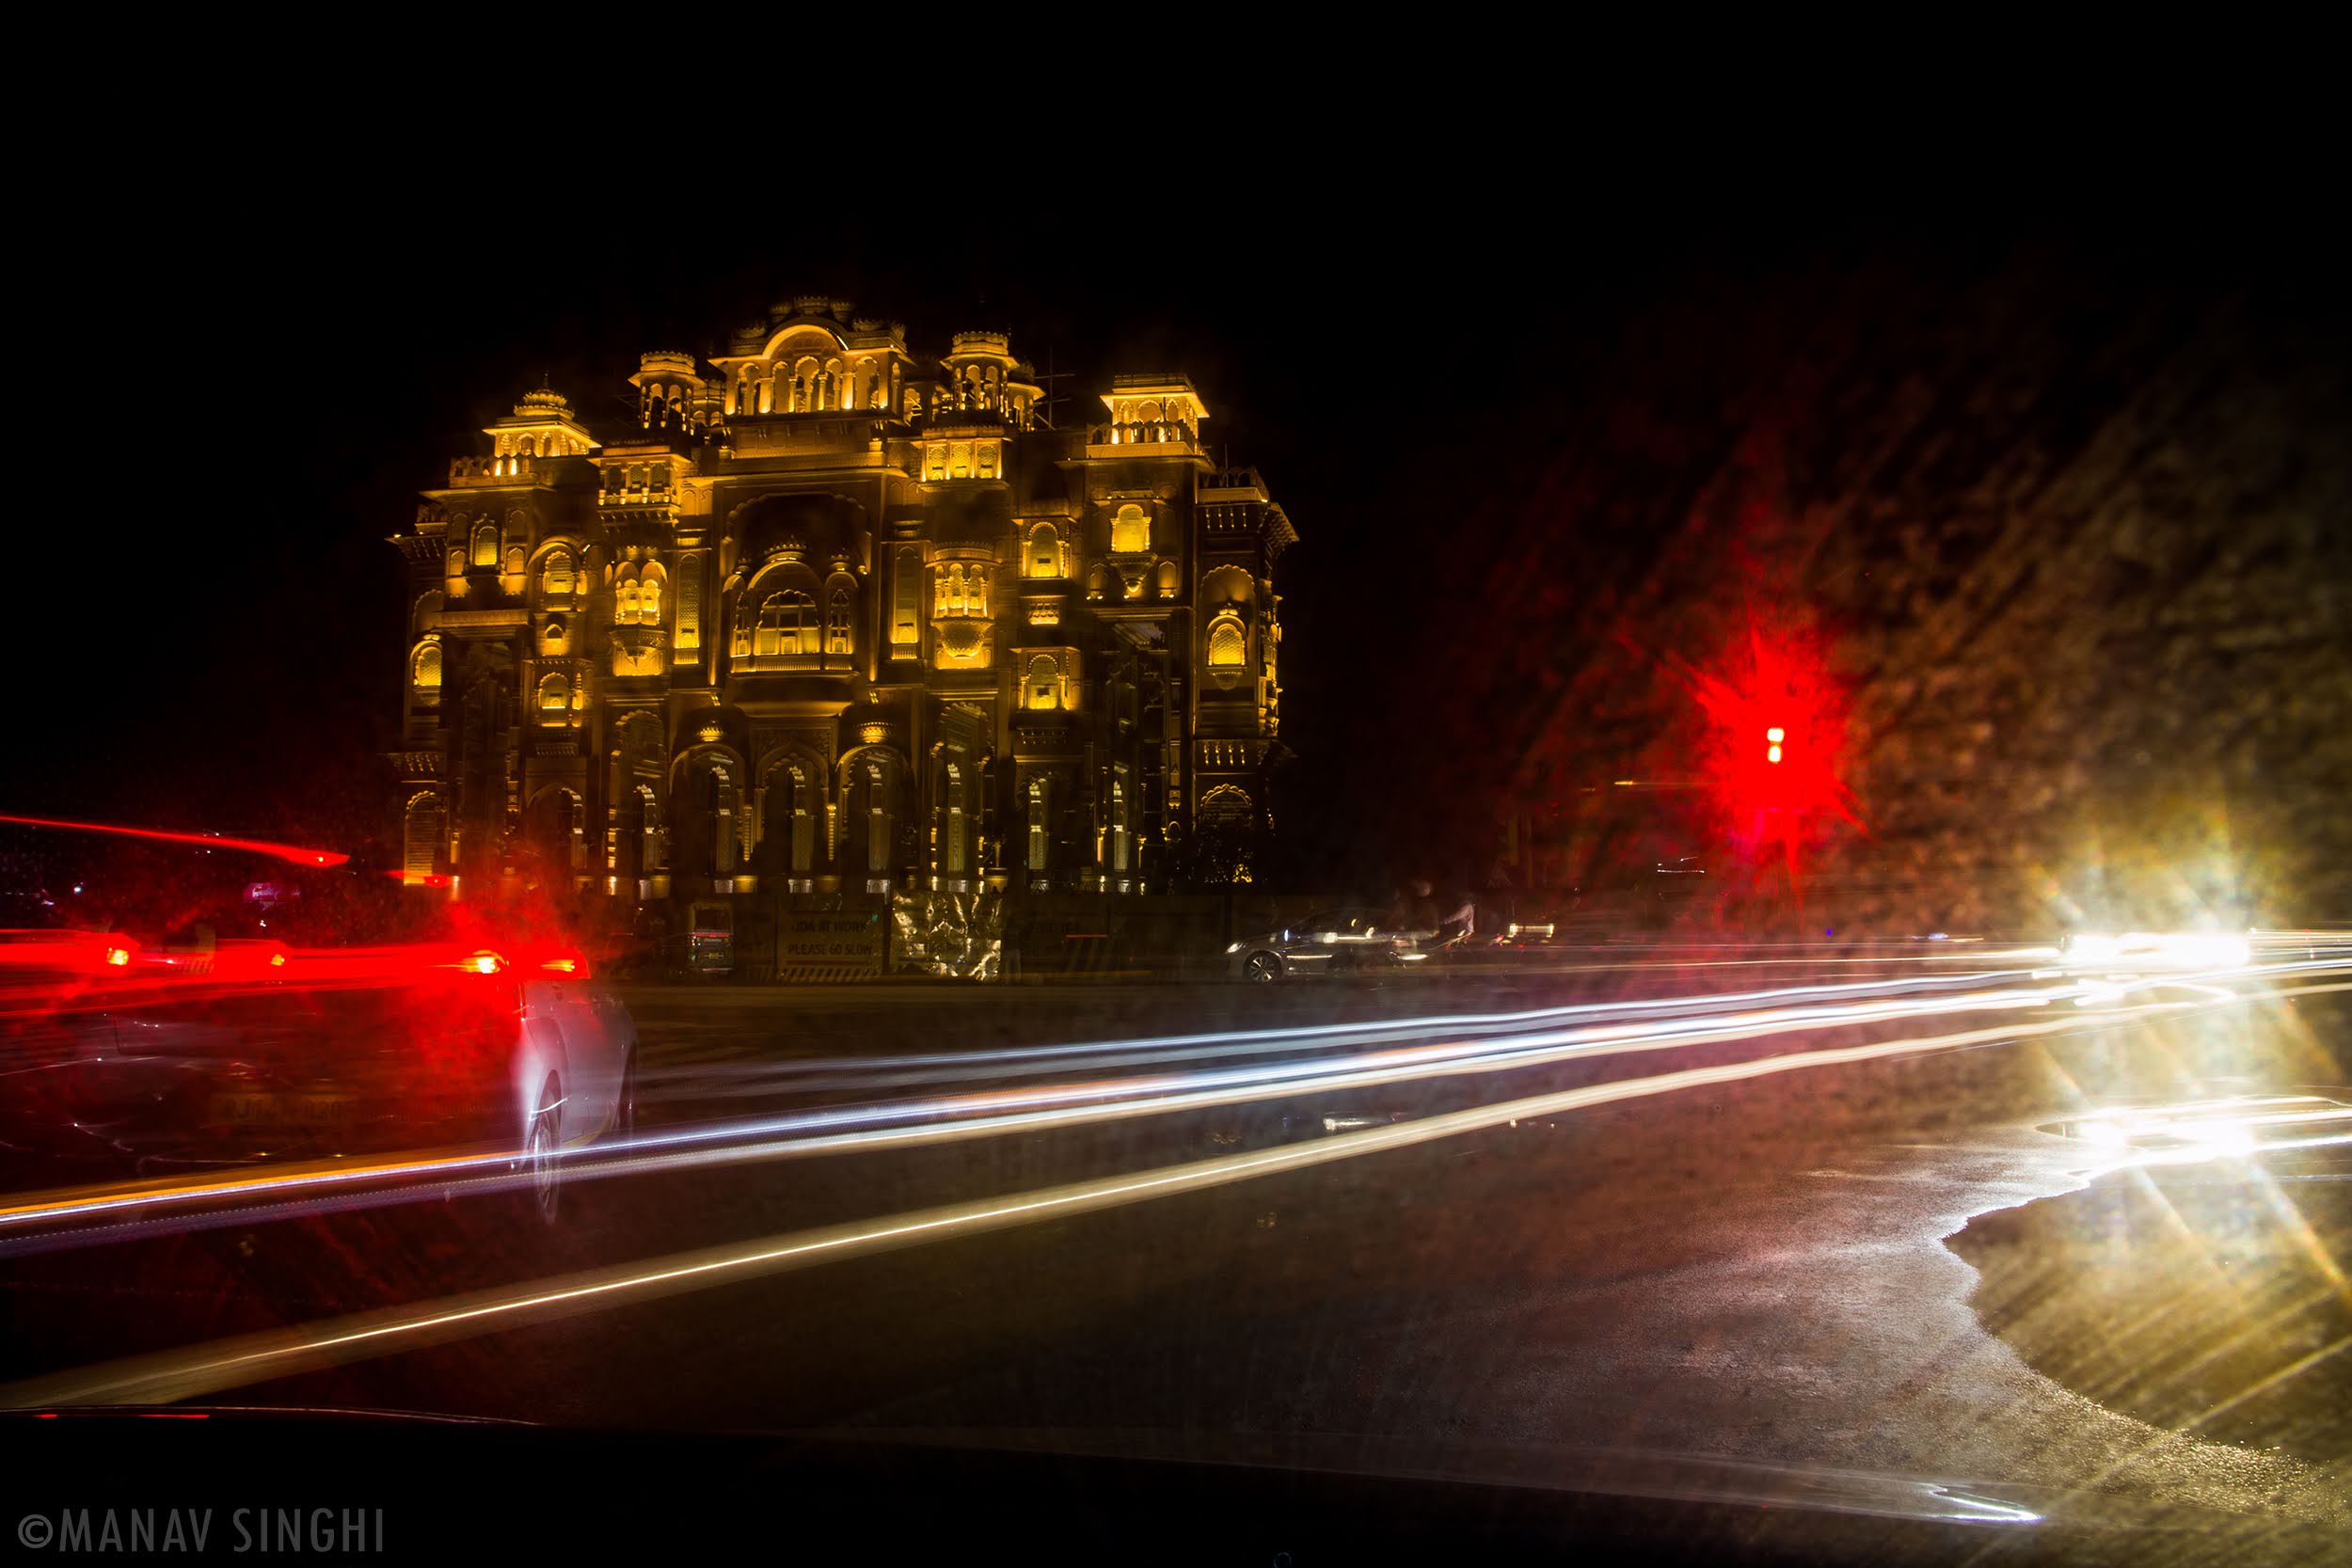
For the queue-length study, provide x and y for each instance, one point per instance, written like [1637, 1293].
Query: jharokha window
[1131, 531]
[637, 595]
[787, 625]
[425, 674]
[1043, 558]
[1044, 683]
[1227, 645]
[555, 700]
[906, 595]
[963, 592]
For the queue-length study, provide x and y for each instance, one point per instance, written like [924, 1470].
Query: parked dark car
[1330, 942]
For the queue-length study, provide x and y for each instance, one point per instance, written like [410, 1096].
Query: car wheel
[543, 1152]
[1263, 968]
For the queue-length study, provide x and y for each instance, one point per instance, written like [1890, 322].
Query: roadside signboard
[840, 943]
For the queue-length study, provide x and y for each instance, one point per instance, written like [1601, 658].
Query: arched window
[625, 598]
[1165, 578]
[878, 827]
[1119, 836]
[1043, 559]
[790, 807]
[1228, 804]
[485, 544]
[1037, 824]
[952, 848]
[425, 673]
[689, 601]
[425, 835]
[555, 574]
[1131, 531]
[717, 797]
[649, 595]
[906, 600]
[1043, 686]
[555, 699]
[839, 610]
[787, 625]
[805, 813]
[1228, 823]
[1227, 643]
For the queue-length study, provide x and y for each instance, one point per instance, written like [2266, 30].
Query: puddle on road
[2201, 1284]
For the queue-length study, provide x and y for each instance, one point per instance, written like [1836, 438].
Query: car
[193, 1009]
[1330, 942]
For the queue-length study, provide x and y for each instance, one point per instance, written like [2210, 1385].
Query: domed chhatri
[831, 616]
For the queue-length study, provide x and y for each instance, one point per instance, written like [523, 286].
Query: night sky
[1500, 427]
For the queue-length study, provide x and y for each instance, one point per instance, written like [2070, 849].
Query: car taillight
[117, 957]
[483, 962]
[574, 966]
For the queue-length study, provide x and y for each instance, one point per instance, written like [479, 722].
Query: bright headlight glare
[2160, 949]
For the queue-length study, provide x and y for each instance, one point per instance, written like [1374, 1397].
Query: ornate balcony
[493, 472]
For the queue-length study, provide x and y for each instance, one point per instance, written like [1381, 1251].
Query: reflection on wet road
[1700, 1221]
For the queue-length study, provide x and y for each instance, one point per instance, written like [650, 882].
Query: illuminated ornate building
[832, 617]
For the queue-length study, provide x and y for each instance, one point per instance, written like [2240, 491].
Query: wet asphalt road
[1902, 1265]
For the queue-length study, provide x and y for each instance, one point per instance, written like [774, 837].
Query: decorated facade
[831, 616]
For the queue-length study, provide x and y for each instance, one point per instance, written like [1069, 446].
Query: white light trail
[191, 1371]
[325, 1187]
[119, 1214]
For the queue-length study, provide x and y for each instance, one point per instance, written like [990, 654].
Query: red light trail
[209, 841]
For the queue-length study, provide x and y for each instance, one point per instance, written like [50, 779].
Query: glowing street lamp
[1774, 736]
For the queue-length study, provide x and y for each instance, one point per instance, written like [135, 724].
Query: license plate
[282, 1110]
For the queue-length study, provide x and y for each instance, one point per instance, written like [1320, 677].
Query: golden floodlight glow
[726, 506]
